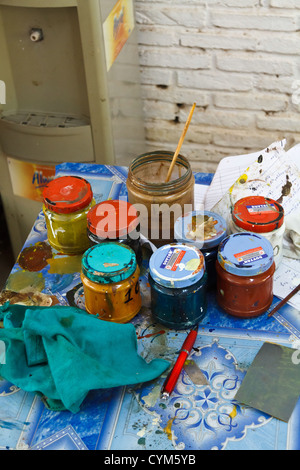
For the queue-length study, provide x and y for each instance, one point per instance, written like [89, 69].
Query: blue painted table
[135, 418]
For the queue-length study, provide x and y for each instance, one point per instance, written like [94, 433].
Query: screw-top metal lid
[245, 254]
[108, 262]
[67, 194]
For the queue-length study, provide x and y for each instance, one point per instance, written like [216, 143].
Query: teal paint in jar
[178, 279]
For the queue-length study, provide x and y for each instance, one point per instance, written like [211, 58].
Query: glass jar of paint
[261, 215]
[245, 269]
[110, 278]
[177, 281]
[117, 221]
[205, 230]
[67, 201]
[159, 202]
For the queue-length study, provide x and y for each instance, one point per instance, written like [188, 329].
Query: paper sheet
[286, 278]
[273, 173]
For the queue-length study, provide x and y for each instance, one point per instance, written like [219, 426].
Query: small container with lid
[245, 269]
[110, 277]
[177, 280]
[261, 215]
[205, 230]
[67, 201]
[153, 196]
[115, 220]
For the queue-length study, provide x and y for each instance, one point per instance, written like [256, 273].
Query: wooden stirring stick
[285, 300]
[180, 142]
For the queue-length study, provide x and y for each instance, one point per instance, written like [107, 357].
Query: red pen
[185, 351]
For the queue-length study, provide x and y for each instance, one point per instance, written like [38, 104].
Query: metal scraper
[194, 372]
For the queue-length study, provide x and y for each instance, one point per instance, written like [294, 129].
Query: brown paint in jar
[159, 203]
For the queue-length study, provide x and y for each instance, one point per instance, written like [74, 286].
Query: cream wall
[237, 59]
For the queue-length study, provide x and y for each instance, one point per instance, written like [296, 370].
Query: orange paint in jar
[110, 277]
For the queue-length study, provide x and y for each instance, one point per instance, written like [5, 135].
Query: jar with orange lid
[115, 220]
[67, 201]
[261, 215]
[158, 202]
[110, 277]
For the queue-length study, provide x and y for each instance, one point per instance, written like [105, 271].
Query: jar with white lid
[262, 215]
[205, 230]
[178, 280]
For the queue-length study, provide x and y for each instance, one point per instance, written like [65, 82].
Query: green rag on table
[62, 353]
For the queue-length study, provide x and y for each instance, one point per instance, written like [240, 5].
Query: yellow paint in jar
[110, 277]
[67, 201]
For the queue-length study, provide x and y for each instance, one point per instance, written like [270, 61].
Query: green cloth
[62, 353]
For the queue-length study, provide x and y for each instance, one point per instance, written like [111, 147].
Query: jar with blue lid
[205, 230]
[245, 269]
[110, 277]
[178, 279]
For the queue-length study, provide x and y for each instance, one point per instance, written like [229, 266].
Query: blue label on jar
[250, 256]
[173, 259]
[261, 208]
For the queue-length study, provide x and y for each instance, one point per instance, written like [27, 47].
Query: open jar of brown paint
[158, 202]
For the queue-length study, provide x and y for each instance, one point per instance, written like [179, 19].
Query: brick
[184, 15]
[215, 81]
[254, 64]
[218, 41]
[285, 3]
[288, 123]
[267, 22]
[253, 101]
[274, 84]
[223, 119]
[157, 36]
[250, 139]
[279, 45]
[156, 76]
[160, 110]
[171, 132]
[174, 57]
[177, 95]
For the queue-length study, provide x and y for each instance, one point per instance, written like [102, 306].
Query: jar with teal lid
[245, 269]
[110, 277]
[178, 279]
[205, 230]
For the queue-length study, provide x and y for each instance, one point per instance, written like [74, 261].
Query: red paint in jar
[245, 269]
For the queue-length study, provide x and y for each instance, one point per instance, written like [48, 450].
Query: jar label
[261, 208]
[249, 256]
[173, 259]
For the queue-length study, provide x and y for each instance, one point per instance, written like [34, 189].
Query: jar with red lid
[245, 268]
[67, 201]
[117, 221]
[261, 215]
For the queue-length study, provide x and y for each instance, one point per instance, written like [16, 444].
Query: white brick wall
[237, 59]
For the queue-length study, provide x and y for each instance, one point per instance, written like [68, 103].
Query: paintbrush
[285, 300]
[180, 143]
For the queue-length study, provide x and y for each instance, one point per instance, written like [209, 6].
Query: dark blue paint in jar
[205, 230]
[178, 281]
